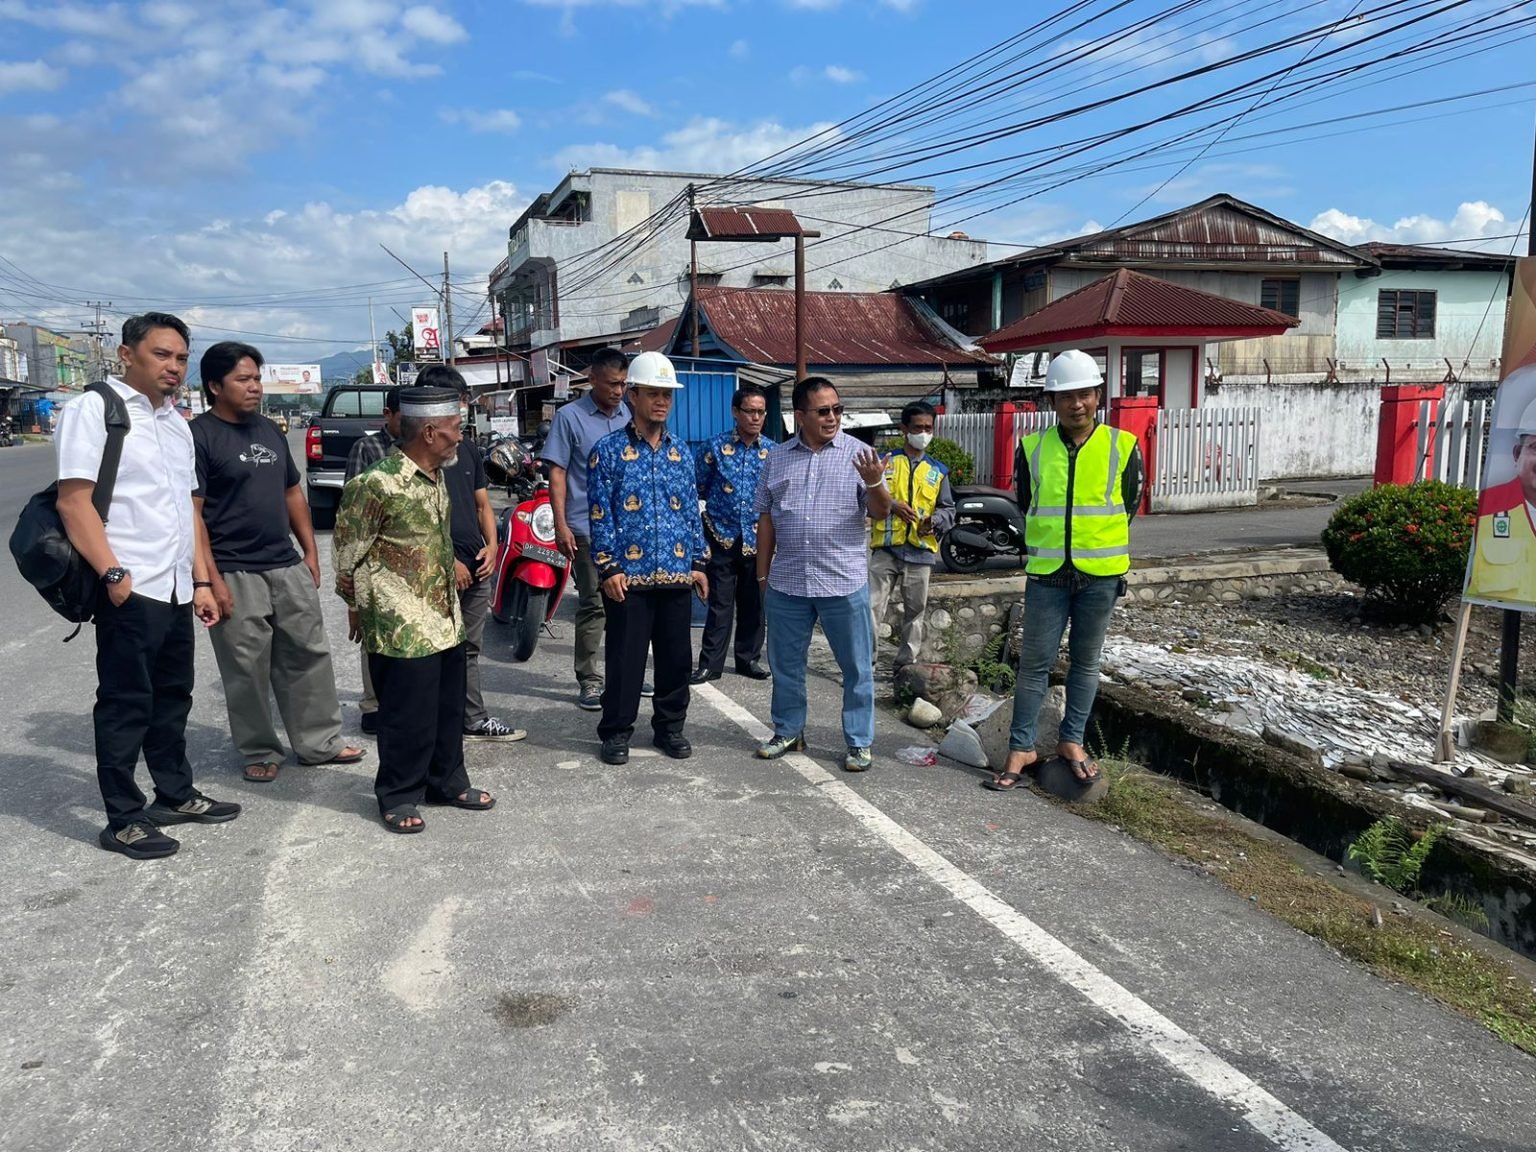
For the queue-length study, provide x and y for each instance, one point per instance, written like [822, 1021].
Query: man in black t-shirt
[273, 633]
[473, 523]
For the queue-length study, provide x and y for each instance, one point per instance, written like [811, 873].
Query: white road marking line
[1265, 1114]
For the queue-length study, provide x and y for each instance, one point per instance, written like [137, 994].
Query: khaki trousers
[274, 646]
[886, 570]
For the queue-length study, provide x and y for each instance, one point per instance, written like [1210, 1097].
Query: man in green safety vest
[1079, 486]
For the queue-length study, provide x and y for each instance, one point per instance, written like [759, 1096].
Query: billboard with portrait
[291, 379]
[1502, 568]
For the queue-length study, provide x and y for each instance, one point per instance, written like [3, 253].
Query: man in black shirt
[473, 523]
[272, 633]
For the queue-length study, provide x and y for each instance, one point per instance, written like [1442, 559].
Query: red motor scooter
[531, 573]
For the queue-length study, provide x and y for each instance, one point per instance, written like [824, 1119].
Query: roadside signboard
[291, 379]
[426, 338]
[1501, 570]
[406, 372]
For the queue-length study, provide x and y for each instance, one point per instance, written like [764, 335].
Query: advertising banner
[381, 373]
[291, 379]
[1502, 568]
[425, 336]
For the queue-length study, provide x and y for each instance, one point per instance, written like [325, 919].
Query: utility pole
[1509, 635]
[98, 353]
[448, 311]
[693, 278]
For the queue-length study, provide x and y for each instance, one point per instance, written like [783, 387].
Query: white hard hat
[1526, 425]
[1510, 414]
[652, 370]
[1072, 370]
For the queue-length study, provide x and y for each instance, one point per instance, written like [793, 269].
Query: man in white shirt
[149, 555]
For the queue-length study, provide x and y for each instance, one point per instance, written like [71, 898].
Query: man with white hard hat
[1079, 484]
[649, 551]
[1504, 555]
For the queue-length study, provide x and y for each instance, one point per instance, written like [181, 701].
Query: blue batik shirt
[729, 470]
[645, 510]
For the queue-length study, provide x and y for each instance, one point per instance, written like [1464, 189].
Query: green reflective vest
[918, 486]
[1077, 499]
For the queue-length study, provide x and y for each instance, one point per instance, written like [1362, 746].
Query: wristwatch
[114, 575]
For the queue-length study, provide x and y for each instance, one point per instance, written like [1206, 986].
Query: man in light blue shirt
[577, 428]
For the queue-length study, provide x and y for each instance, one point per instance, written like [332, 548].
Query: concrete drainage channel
[1317, 809]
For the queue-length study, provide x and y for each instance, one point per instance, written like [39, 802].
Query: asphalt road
[703, 954]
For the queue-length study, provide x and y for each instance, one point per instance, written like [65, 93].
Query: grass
[1409, 949]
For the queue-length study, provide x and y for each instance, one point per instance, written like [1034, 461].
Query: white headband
[425, 411]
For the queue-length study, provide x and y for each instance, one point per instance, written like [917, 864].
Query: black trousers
[654, 621]
[144, 652]
[421, 727]
[732, 584]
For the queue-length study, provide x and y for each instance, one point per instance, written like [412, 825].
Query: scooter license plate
[544, 555]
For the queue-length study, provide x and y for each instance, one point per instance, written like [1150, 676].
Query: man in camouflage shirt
[394, 569]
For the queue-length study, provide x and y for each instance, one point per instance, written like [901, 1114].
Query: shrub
[1405, 545]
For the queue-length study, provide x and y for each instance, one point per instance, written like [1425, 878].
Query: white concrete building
[606, 251]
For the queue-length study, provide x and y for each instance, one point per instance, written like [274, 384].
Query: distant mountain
[340, 368]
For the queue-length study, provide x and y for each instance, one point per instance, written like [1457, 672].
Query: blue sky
[242, 161]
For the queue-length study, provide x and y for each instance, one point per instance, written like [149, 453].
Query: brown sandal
[255, 774]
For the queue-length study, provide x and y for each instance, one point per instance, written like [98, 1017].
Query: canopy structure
[1151, 334]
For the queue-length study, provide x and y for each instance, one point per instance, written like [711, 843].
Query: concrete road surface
[706, 954]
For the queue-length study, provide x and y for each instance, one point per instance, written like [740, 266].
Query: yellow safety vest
[1080, 500]
[915, 485]
[1504, 558]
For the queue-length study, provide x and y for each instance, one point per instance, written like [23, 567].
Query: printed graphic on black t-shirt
[464, 478]
[244, 472]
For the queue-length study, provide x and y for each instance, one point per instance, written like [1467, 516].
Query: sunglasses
[827, 410]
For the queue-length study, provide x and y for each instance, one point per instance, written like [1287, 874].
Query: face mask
[919, 440]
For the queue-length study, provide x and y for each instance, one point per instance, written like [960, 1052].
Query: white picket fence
[973, 432]
[1453, 440]
[1205, 458]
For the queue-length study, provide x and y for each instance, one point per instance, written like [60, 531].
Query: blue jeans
[1047, 611]
[847, 624]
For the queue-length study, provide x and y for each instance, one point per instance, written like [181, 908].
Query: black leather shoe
[752, 670]
[616, 750]
[673, 744]
[703, 676]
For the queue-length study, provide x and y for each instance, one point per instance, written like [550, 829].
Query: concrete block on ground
[993, 728]
[962, 745]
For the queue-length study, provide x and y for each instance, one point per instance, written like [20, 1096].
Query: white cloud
[30, 75]
[740, 49]
[630, 102]
[814, 5]
[1473, 221]
[840, 75]
[494, 120]
[426, 23]
[704, 144]
[221, 272]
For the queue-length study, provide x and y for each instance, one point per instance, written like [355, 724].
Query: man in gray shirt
[577, 428]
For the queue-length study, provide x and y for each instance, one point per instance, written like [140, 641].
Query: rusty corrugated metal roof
[1439, 259]
[742, 224]
[875, 328]
[1129, 303]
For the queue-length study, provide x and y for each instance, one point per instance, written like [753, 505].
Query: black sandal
[1089, 769]
[1004, 782]
[395, 820]
[473, 799]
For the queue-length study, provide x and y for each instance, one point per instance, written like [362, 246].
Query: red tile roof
[875, 328]
[742, 223]
[1129, 303]
[655, 340]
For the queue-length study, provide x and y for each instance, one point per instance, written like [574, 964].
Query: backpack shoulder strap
[118, 423]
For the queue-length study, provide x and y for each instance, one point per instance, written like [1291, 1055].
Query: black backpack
[44, 555]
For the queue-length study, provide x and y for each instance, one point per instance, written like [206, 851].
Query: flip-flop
[395, 820]
[250, 768]
[1005, 781]
[1088, 768]
[345, 756]
[474, 799]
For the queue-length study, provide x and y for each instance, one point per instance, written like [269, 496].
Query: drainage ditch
[1311, 806]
